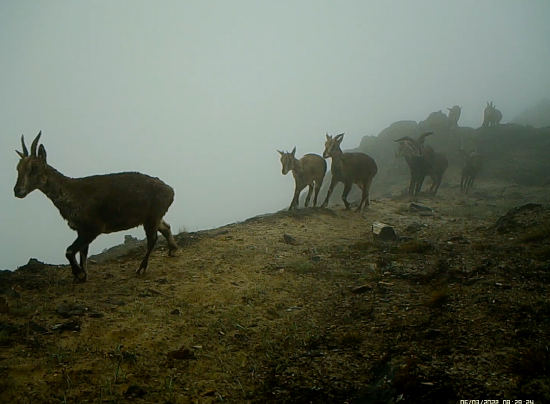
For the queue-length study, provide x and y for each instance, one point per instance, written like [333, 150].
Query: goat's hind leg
[80, 245]
[164, 229]
[151, 229]
[309, 192]
[365, 199]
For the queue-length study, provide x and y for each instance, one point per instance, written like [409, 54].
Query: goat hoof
[140, 271]
[80, 277]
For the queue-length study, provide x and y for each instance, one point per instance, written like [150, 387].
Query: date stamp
[497, 401]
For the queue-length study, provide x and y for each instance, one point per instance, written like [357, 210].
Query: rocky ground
[300, 307]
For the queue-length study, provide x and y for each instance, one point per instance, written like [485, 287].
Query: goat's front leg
[333, 183]
[347, 188]
[80, 245]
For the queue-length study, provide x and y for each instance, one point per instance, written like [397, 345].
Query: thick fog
[202, 93]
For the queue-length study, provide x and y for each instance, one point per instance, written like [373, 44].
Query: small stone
[287, 238]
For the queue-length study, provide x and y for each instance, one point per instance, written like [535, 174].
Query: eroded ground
[456, 308]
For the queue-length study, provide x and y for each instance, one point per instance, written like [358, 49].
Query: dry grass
[241, 317]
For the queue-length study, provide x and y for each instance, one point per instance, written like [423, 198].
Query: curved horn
[35, 144]
[25, 150]
[405, 138]
[423, 136]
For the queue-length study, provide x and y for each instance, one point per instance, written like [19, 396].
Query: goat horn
[25, 150]
[35, 144]
[423, 135]
[406, 138]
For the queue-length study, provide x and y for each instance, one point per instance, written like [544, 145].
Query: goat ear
[294, 151]
[449, 109]
[280, 152]
[42, 152]
[20, 154]
[339, 137]
[328, 137]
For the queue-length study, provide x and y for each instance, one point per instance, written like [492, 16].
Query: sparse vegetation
[240, 316]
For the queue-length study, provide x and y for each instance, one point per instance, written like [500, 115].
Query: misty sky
[202, 93]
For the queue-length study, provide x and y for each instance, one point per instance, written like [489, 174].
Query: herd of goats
[360, 169]
[110, 203]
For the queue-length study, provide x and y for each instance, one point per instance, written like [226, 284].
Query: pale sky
[203, 93]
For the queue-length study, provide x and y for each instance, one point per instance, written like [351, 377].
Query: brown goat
[419, 157]
[98, 204]
[349, 168]
[436, 173]
[473, 162]
[310, 169]
[491, 115]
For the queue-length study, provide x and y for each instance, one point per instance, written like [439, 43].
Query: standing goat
[98, 204]
[473, 162]
[308, 170]
[349, 168]
[491, 115]
[419, 157]
[454, 116]
[436, 173]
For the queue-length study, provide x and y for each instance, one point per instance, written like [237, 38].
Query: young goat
[98, 204]
[420, 159]
[454, 116]
[308, 170]
[473, 162]
[491, 115]
[349, 168]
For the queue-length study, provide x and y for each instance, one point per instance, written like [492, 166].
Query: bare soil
[456, 308]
